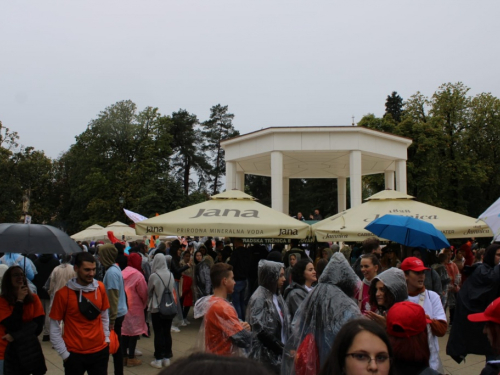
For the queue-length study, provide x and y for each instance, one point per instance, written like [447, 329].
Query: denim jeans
[238, 297]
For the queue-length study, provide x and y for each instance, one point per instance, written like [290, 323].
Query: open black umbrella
[35, 239]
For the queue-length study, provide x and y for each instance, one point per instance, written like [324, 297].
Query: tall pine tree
[215, 130]
[394, 106]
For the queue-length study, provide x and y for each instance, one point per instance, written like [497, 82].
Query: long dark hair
[389, 298]
[8, 291]
[211, 364]
[194, 256]
[335, 363]
[298, 271]
[489, 254]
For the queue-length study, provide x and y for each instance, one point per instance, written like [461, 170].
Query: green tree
[454, 156]
[187, 145]
[218, 128]
[451, 109]
[394, 106]
[123, 153]
[483, 140]
[35, 175]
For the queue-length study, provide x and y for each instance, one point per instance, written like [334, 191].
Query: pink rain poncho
[136, 289]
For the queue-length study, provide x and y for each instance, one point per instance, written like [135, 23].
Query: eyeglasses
[380, 359]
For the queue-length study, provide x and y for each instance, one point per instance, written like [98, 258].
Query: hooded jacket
[113, 281]
[395, 281]
[320, 317]
[160, 279]
[269, 326]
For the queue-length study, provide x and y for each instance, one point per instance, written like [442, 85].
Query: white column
[240, 181]
[341, 193]
[286, 195]
[389, 179]
[230, 175]
[355, 177]
[401, 176]
[277, 181]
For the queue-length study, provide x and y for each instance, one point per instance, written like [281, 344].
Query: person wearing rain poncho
[203, 286]
[221, 332]
[320, 317]
[267, 314]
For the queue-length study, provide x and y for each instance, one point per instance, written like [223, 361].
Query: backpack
[168, 304]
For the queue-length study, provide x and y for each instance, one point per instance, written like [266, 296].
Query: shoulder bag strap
[161, 282]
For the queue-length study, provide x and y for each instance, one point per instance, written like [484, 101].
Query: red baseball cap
[406, 319]
[413, 264]
[491, 314]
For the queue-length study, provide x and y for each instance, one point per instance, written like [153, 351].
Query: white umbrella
[229, 214]
[120, 229]
[94, 232]
[492, 217]
[349, 225]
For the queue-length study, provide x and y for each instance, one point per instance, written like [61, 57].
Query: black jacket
[240, 260]
[176, 269]
[478, 291]
[44, 266]
[24, 355]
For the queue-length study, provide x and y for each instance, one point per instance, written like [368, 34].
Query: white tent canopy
[349, 225]
[94, 232]
[229, 214]
[98, 233]
[120, 229]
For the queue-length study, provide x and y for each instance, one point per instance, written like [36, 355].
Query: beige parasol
[349, 225]
[120, 229]
[94, 232]
[229, 214]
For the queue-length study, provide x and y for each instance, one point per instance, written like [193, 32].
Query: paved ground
[184, 341]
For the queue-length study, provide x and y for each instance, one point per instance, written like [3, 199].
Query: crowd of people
[328, 309]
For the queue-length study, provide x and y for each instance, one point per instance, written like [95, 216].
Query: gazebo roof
[316, 151]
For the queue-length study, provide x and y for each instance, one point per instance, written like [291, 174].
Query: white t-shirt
[280, 313]
[433, 307]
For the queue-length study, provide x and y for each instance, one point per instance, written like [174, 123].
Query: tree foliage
[158, 163]
[394, 106]
[216, 129]
[449, 163]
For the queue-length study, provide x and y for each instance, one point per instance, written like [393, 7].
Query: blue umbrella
[408, 231]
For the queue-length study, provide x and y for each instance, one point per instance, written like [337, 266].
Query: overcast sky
[275, 63]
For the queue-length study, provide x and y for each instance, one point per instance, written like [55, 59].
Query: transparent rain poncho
[221, 332]
[320, 317]
[269, 324]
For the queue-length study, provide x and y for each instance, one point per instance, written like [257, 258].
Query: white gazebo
[338, 152]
